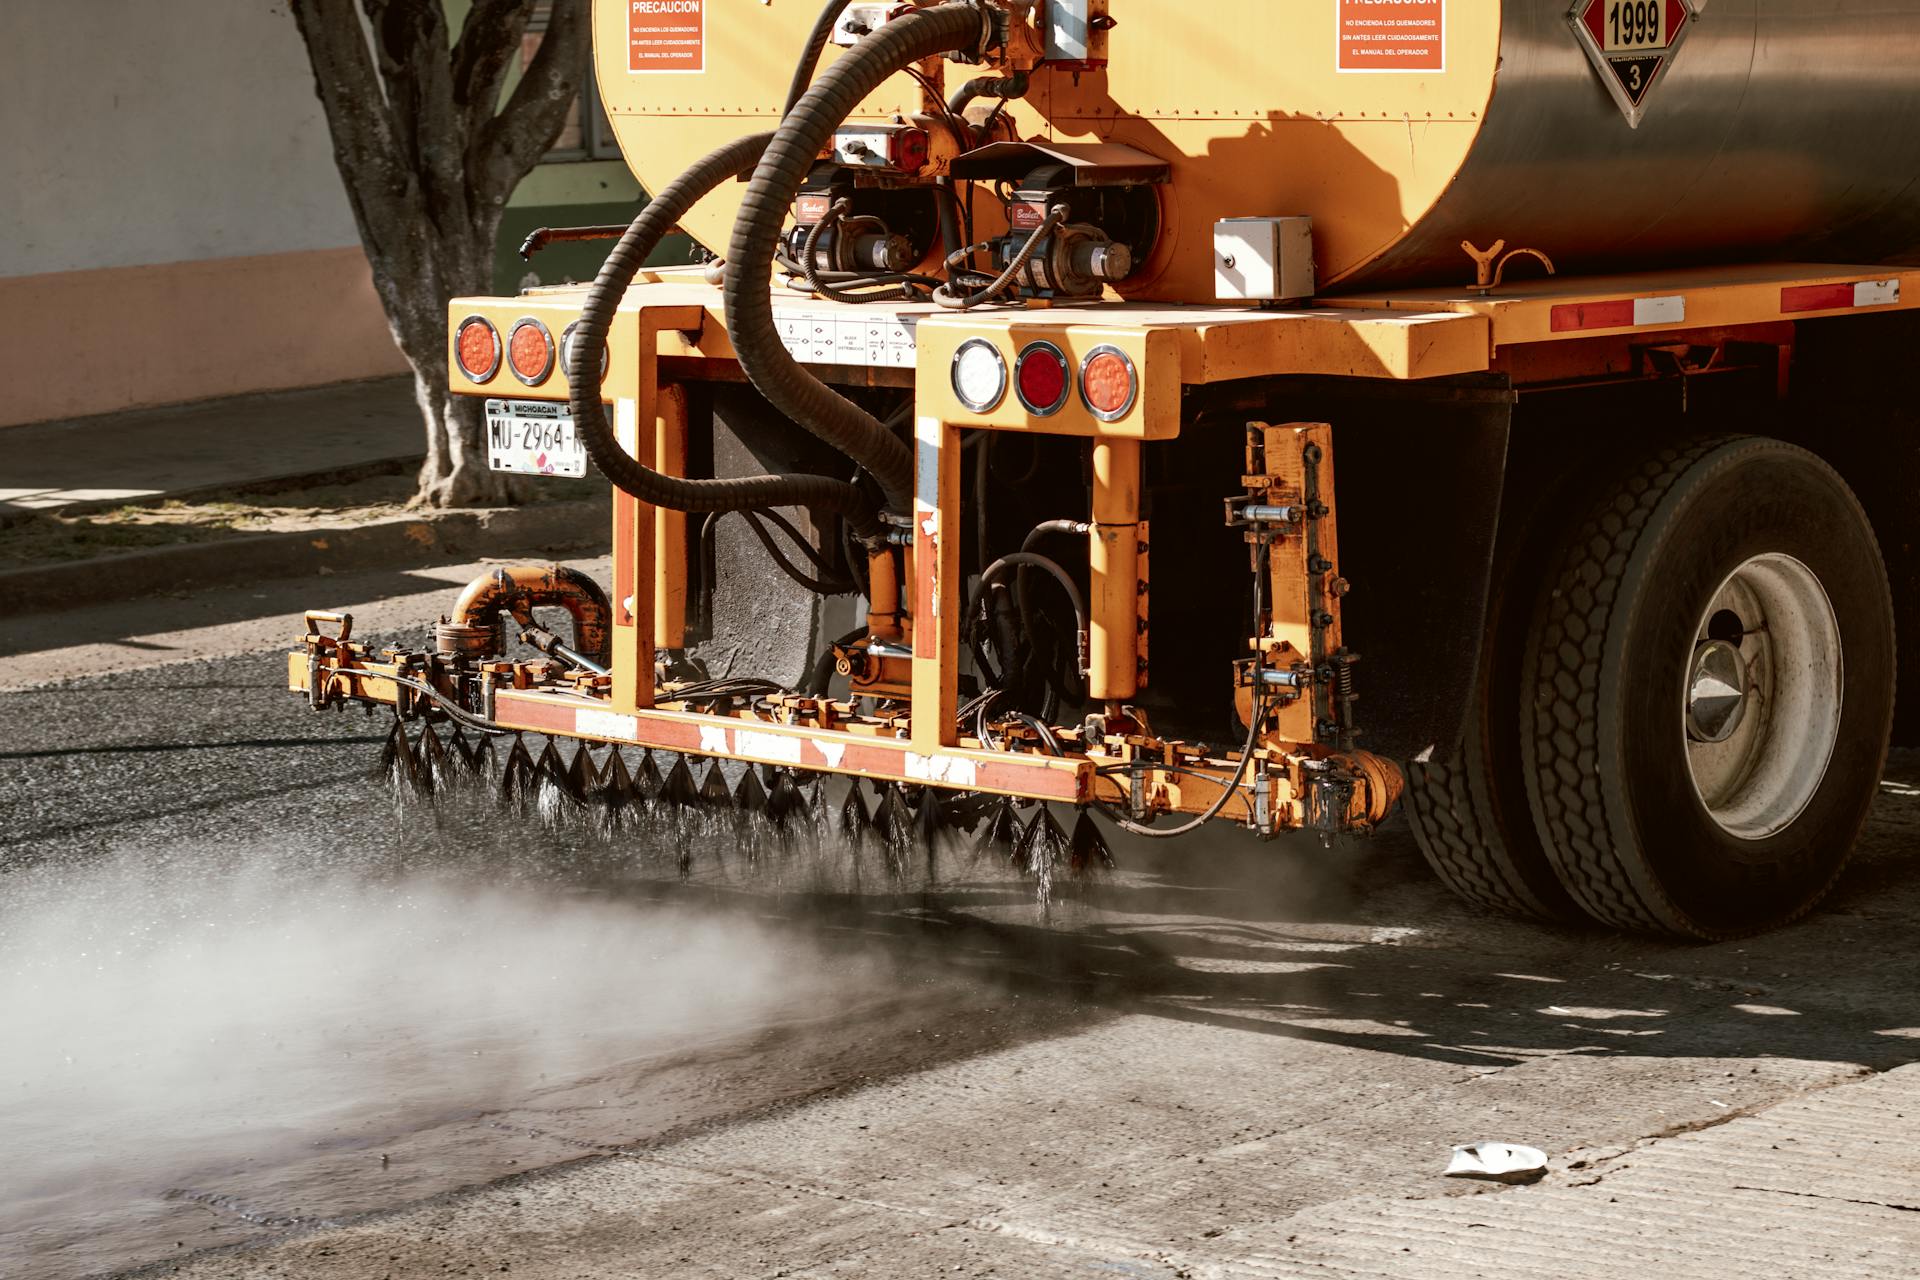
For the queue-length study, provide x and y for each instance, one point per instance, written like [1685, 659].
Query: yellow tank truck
[1023, 345]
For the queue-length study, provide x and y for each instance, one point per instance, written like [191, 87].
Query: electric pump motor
[1105, 232]
[884, 228]
[1076, 261]
[856, 244]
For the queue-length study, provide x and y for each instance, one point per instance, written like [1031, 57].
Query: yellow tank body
[1770, 133]
[1249, 108]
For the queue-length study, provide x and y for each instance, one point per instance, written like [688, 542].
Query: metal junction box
[1263, 259]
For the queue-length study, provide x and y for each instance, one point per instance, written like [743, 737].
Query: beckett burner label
[1393, 35]
[667, 35]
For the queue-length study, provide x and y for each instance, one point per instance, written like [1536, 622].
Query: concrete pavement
[929, 1176]
[1261, 1057]
[151, 454]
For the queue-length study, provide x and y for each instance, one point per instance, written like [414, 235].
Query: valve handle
[316, 619]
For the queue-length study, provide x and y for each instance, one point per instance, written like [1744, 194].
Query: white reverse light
[979, 375]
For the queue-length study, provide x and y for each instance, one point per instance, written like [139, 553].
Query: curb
[403, 542]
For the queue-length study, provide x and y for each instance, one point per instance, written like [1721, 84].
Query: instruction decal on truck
[1393, 35]
[667, 36]
[1631, 43]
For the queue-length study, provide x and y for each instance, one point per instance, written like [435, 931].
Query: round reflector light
[530, 352]
[979, 375]
[566, 353]
[1040, 378]
[478, 347]
[1108, 383]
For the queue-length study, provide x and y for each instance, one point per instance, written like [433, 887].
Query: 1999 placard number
[1636, 24]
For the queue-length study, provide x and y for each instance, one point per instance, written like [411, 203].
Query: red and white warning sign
[1631, 44]
[667, 35]
[1393, 35]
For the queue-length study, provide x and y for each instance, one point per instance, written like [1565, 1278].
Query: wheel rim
[1760, 707]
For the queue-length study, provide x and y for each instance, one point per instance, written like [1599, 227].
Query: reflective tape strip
[1622, 313]
[926, 538]
[1031, 776]
[1839, 297]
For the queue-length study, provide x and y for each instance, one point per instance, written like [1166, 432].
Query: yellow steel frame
[675, 316]
[1521, 313]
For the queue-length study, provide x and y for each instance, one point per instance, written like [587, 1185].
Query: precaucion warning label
[667, 35]
[1393, 35]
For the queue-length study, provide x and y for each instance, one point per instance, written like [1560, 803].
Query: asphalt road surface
[259, 1018]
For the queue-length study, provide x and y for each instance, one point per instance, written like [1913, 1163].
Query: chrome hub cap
[1761, 708]
[1717, 694]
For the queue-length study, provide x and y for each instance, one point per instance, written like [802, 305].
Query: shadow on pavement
[1359, 947]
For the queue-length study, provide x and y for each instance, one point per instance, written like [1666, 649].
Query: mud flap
[759, 621]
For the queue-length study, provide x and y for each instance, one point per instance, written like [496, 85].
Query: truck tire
[1711, 680]
[1480, 848]
[1468, 806]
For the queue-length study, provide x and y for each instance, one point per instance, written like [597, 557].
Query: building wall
[168, 186]
[175, 226]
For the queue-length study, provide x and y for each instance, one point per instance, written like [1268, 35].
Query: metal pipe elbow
[519, 590]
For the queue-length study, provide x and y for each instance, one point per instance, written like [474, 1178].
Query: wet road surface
[248, 989]
[251, 1002]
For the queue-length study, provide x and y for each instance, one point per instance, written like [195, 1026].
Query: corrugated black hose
[810, 57]
[806, 131]
[822, 494]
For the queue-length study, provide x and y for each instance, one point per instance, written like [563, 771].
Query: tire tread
[1460, 836]
[1565, 668]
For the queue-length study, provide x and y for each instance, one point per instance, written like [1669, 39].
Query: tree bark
[429, 156]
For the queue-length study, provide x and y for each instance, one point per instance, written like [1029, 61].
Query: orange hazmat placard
[1393, 35]
[667, 35]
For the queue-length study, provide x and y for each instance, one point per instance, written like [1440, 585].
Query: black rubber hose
[953, 301]
[1022, 577]
[1255, 723]
[663, 212]
[1013, 86]
[810, 57]
[818, 586]
[1047, 528]
[795, 148]
[1025, 559]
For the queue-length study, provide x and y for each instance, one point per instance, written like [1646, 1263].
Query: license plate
[533, 438]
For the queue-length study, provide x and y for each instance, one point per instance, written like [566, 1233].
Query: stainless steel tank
[1781, 129]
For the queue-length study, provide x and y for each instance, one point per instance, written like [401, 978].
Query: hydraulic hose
[953, 301]
[1048, 528]
[810, 57]
[1255, 723]
[1027, 560]
[1013, 86]
[791, 390]
[818, 493]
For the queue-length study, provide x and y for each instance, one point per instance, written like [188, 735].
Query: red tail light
[530, 352]
[1042, 380]
[478, 348]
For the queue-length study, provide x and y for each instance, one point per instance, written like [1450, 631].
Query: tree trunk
[429, 155]
[455, 472]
